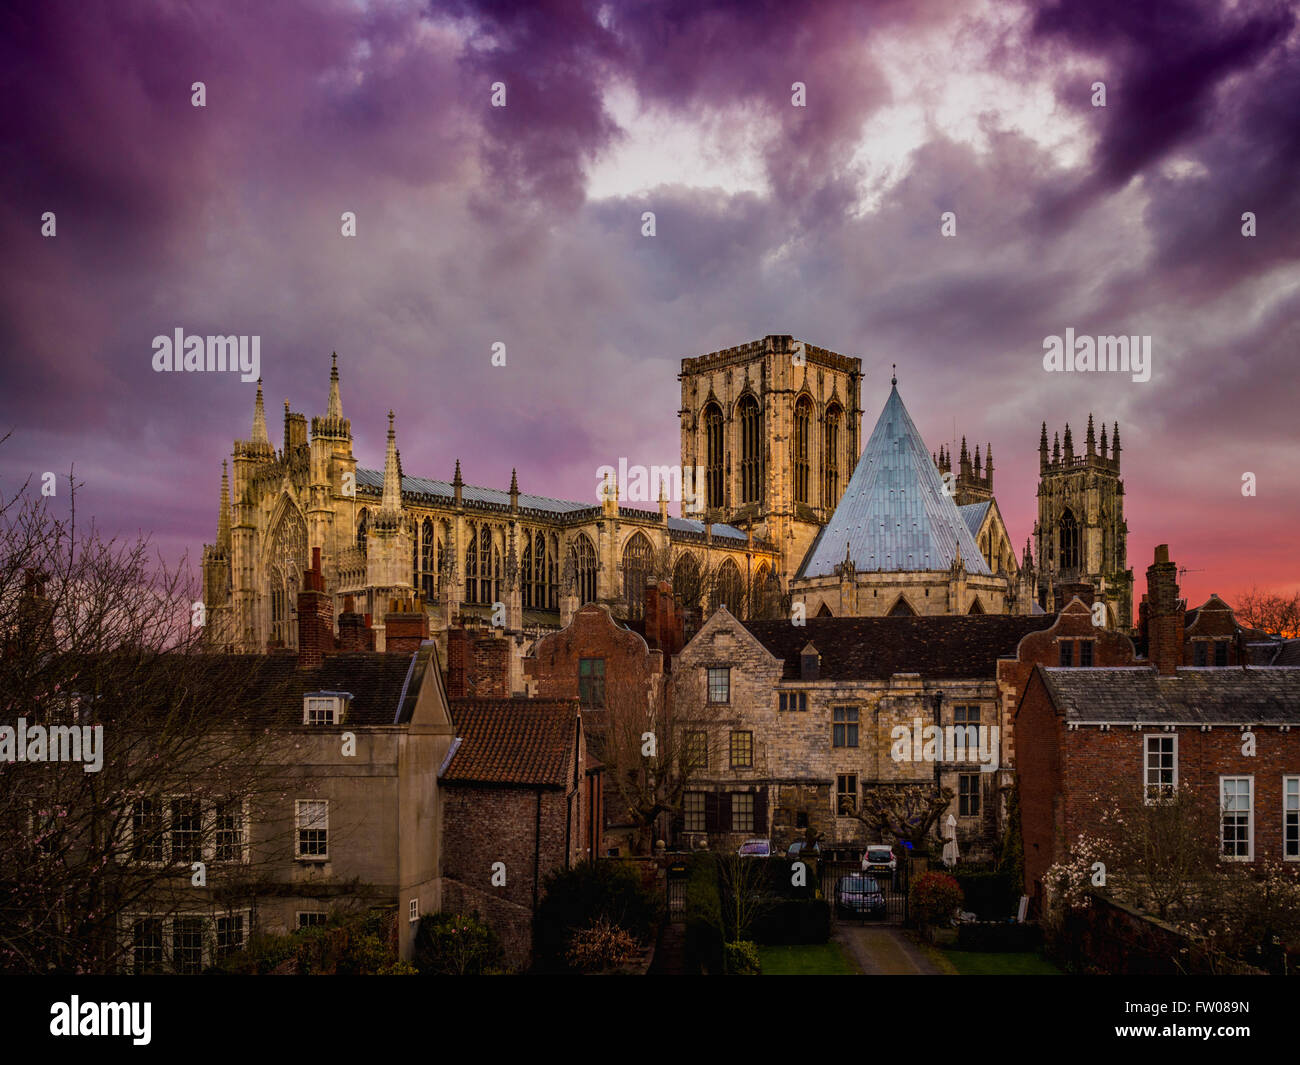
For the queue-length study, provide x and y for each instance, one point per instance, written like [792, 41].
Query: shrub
[454, 944]
[742, 959]
[934, 898]
[990, 896]
[348, 945]
[588, 892]
[600, 945]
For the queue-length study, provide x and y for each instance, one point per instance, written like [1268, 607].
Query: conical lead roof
[894, 515]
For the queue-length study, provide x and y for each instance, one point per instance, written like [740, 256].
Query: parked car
[799, 846]
[879, 857]
[859, 896]
[756, 848]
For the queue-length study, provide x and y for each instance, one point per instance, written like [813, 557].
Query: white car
[879, 856]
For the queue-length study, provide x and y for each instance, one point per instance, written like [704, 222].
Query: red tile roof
[523, 742]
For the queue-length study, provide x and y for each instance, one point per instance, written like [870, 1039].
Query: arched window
[286, 562]
[831, 457]
[428, 560]
[489, 568]
[762, 593]
[538, 571]
[471, 564]
[802, 420]
[751, 450]
[713, 473]
[638, 556]
[688, 590]
[902, 609]
[1069, 540]
[728, 589]
[361, 530]
[583, 557]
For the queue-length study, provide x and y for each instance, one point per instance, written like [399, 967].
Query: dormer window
[324, 708]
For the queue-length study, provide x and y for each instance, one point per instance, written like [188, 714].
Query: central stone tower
[775, 427]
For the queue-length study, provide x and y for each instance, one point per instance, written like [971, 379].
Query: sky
[522, 225]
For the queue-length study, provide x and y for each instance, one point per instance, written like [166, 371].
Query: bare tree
[904, 811]
[744, 884]
[126, 768]
[1273, 612]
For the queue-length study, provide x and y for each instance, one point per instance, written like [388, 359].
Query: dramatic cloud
[522, 225]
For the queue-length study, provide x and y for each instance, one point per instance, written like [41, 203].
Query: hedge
[703, 914]
[792, 921]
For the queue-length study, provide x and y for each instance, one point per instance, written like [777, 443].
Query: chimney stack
[315, 616]
[1165, 614]
[354, 634]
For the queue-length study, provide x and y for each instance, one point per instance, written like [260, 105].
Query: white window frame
[300, 914]
[414, 914]
[1249, 856]
[320, 704]
[210, 848]
[207, 831]
[1287, 780]
[708, 685]
[209, 949]
[298, 856]
[1147, 737]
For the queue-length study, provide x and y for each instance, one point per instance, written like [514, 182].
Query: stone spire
[1069, 444]
[259, 419]
[335, 407]
[457, 484]
[979, 462]
[392, 503]
[988, 463]
[1056, 447]
[1103, 439]
[514, 490]
[1090, 440]
[1042, 449]
[223, 519]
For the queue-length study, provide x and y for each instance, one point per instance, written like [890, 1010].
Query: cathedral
[792, 517]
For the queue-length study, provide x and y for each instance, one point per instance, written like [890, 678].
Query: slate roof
[877, 648]
[973, 515]
[268, 689]
[422, 486]
[1224, 696]
[894, 516]
[523, 742]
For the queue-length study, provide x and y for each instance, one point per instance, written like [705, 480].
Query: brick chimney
[405, 628]
[664, 624]
[315, 616]
[1165, 614]
[478, 664]
[354, 634]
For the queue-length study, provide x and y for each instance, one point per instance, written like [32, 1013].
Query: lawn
[817, 959]
[973, 963]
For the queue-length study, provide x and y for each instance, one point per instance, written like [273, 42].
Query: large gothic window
[583, 557]
[538, 572]
[728, 589]
[361, 530]
[482, 567]
[802, 421]
[1069, 541]
[428, 560]
[831, 458]
[637, 562]
[285, 564]
[688, 589]
[713, 473]
[751, 450]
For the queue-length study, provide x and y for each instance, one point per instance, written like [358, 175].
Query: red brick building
[520, 800]
[1086, 737]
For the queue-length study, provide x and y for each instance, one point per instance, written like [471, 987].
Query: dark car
[859, 896]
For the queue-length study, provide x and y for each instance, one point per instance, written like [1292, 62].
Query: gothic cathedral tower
[1080, 534]
[775, 427]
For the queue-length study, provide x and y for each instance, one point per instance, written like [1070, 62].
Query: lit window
[742, 750]
[697, 750]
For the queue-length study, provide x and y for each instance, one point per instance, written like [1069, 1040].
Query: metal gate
[892, 886]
